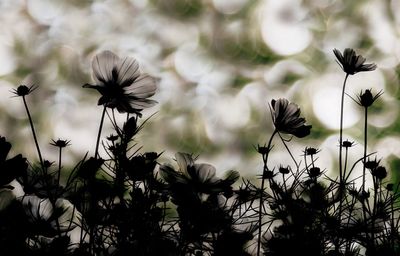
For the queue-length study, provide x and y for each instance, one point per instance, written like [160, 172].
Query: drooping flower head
[286, 118]
[352, 63]
[121, 84]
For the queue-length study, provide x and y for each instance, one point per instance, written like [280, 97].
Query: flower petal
[103, 65]
[205, 173]
[302, 131]
[128, 71]
[184, 160]
[144, 86]
[338, 55]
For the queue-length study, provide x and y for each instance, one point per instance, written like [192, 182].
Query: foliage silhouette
[127, 203]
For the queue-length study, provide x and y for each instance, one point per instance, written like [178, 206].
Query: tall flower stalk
[341, 130]
[121, 85]
[286, 119]
[264, 151]
[351, 63]
[23, 91]
[60, 144]
[366, 99]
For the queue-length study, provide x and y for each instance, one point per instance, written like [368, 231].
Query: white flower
[121, 84]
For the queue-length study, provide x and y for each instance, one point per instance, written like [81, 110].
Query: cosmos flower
[121, 84]
[348, 144]
[45, 215]
[23, 90]
[60, 143]
[310, 151]
[286, 118]
[352, 63]
[366, 99]
[202, 176]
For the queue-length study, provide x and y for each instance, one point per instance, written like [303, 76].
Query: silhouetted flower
[130, 127]
[371, 164]
[48, 216]
[268, 174]
[286, 118]
[263, 150]
[309, 151]
[112, 137]
[23, 90]
[284, 170]
[200, 176]
[389, 186]
[379, 172]
[121, 84]
[90, 167]
[366, 99]
[60, 143]
[141, 166]
[347, 144]
[314, 172]
[47, 163]
[351, 63]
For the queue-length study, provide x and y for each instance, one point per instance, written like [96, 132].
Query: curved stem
[288, 150]
[33, 132]
[99, 133]
[341, 130]
[265, 159]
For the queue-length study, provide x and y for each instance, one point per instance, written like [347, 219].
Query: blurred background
[220, 63]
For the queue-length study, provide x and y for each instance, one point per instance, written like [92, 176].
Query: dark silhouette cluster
[124, 202]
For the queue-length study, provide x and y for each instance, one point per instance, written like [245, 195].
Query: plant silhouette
[125, 202]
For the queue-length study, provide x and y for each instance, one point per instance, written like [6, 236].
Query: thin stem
[341, 185]
[59, 166]
[33, 132]
[265, 159]
[346, 154]
[341, 130]
[288, 150]
[365, 146]
[376, 189]
[99, 134]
